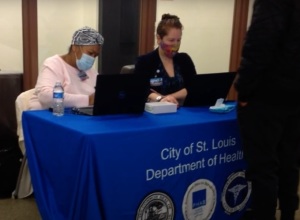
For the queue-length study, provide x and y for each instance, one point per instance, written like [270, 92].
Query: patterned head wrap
[87, 36]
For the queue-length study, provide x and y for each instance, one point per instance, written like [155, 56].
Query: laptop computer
[118, 94]
[205, 89]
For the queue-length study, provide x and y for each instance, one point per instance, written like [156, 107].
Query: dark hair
[70, 49]
[168, 21]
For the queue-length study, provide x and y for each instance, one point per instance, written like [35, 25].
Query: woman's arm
[176, 97]
[179, 96]
[52, 72]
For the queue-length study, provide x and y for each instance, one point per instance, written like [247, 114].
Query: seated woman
[74, 70]
[168, 70]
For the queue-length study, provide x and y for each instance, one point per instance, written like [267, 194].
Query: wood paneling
[147, 26]
[30, 43]
[240, 19]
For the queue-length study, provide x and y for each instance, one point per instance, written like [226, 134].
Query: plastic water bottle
[58, 99]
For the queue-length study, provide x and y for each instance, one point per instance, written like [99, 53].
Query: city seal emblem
[199, 200]
[236, 192]
[156, 205]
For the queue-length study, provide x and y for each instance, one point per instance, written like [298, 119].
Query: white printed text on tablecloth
[219, 156]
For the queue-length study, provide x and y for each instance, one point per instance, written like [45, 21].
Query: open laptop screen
[205, 89]
[121, 93]
[118, 94]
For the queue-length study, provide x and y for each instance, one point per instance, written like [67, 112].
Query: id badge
[82, 75]
[158, 81]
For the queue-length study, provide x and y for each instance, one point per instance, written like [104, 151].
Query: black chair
[127, 69]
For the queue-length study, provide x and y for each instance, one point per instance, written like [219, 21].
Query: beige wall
[251, 2]
[11, 52]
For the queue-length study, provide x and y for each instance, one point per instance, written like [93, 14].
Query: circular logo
[156, 206]
[199, 200]
[236, 192]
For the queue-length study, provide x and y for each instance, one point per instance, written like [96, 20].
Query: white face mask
[86, 62]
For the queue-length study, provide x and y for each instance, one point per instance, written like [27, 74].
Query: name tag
[82, 75]
[158, 81]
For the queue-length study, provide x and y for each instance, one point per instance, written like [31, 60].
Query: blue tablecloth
[184, 165]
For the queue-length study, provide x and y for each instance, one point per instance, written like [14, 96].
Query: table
[183, 165]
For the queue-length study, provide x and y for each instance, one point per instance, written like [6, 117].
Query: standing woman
[168, 70]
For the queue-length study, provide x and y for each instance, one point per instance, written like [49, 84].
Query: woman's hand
[168, 98]
[171, 99]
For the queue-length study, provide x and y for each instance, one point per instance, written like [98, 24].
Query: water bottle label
[58, 95]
